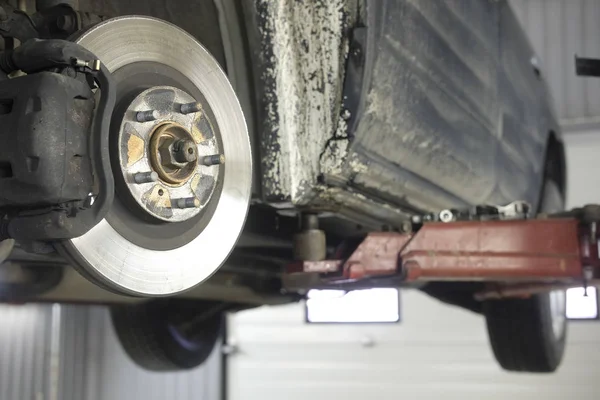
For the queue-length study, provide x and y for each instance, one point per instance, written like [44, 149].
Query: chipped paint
[304, 47]
[423, 137]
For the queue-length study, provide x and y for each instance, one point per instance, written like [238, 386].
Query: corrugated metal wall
[559, 29]
[25, 352]
[94, 366]
[51, 352]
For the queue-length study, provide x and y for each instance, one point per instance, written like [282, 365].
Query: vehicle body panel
[441, 107]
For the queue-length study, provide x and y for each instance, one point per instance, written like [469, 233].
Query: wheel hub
[178, 209]
[164, 138]
[173, 153]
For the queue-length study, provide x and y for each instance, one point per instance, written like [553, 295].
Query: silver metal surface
[134, 142]
[446, 216]
[514, 210]
[111, 258]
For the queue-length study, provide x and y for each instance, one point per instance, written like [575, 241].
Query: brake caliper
[55, 179]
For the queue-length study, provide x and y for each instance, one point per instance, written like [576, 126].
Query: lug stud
[145, 177]
[189, 202]
[147, 116]
[190, 107]
[214, 159]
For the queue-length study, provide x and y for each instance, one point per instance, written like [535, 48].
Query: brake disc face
[181, 158]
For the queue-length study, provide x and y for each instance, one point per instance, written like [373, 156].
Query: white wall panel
[559, 29]
[583, 169]
[436, 352]
[25, 333]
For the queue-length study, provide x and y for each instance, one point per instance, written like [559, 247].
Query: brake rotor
[181, 158]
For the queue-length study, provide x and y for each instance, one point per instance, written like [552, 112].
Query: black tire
[156, 343]
[522, 335]
[529, 334]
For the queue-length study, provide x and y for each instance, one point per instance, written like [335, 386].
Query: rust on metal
[494, 250]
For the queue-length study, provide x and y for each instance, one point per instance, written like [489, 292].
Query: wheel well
[555, 165]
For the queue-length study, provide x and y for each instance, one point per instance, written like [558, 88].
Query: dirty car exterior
[382, 109]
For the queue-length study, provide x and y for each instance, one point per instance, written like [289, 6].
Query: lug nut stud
[189, 202]
[214, 159]
[146, 116]
[145, 177]
[190, 107]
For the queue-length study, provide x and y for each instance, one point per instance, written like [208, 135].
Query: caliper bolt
[146, 116]
[215, 159]
[189, 202]
[145, 177]
[190, 107]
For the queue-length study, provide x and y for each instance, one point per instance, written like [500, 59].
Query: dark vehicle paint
[447, 109]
